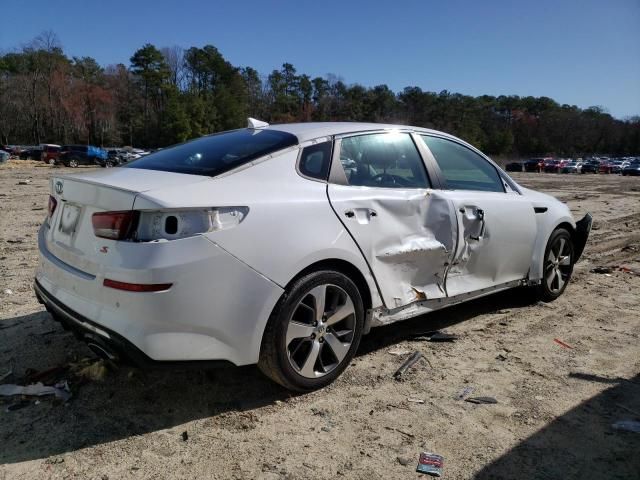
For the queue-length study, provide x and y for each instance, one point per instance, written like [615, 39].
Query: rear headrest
[379, 157]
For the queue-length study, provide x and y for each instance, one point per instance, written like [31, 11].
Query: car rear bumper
[216, 308]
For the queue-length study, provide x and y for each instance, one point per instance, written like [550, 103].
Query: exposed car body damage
[407, 237]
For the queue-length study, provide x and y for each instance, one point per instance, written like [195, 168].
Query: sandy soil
[552, 420]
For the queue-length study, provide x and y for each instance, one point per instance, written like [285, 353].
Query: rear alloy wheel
[558, 265]
[52, 161]
[313, 332]
[73, 163]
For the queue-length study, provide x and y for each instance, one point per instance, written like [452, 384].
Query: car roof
[312, 130]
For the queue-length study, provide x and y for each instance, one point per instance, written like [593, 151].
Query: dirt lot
[552, 421]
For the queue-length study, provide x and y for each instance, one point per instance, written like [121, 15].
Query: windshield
[216, 154]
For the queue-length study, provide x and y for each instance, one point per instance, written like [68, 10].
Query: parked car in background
[590, 166]
[30, 153]
[632, 169]
[4, 156]
[514, 167]
[155, 261]
[571, 167]
[75, 155]
[551, 166]
[534, 165]
[50, 153]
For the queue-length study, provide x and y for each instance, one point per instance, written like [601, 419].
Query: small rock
[325, 429]
[8, 291]
[404, 461]
[185, 436]
[24, 182]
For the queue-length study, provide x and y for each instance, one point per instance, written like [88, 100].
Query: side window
[388, 160]
[315, 160]
[463, 169]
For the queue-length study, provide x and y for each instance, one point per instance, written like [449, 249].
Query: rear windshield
[216, 154]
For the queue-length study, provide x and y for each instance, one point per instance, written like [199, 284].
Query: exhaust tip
[102, 351]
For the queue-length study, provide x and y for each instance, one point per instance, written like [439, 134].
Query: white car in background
[282, 245]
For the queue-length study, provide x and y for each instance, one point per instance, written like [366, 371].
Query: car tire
[299, 350]
[557, 266]
[108, 164]
[51, 161]
[73, 163]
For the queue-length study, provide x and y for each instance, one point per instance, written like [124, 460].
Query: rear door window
[387, 160]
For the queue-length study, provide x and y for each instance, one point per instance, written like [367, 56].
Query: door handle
[479, 216]
[349, 214]
[373, 213]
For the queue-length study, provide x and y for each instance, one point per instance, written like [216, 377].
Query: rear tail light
[176, 224]
[53, 203]
[115, 225]
[137, 287]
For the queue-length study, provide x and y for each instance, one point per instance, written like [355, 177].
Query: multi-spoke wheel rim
[320, 331]
[558, 265]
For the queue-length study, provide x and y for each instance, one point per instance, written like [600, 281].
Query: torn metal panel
[407, 236]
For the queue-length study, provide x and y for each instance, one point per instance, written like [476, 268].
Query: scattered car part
[408, 363]
[431, 464]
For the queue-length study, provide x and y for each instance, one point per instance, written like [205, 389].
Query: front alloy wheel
[558, 265]
[73, 163]
[313, 332]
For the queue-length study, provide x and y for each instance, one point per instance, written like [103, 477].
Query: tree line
[169, 95]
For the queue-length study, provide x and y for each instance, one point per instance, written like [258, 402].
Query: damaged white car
[282, 245]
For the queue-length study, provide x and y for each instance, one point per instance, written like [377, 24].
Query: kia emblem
[59, 188]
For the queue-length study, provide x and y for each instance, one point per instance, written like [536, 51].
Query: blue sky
[577, 52]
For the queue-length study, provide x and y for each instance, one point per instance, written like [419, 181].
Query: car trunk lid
[70, 236]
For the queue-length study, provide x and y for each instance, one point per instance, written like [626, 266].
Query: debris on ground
[430, 463]
[602, 270]
[6, 375]
[415, 400]
[561, 343]
[408, 434]
[627, 425]
[90, 369]
[18, 405]
[465, 392]
[7, 291]
[399, 351]
[437, 336]
[404, 461]
[60, 390]
[632, 271]
[185, 436]
[415, 356]
[481, 400]
[24, 182]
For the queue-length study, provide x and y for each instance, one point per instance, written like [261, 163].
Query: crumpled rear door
[408, 237]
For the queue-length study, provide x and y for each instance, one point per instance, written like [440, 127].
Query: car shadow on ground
[581, 443]
[130, 402]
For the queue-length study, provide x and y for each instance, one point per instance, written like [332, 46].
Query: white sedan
[282, 245]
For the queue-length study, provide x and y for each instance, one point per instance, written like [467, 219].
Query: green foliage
[170, 95]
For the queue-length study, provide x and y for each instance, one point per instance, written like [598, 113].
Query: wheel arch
[344, 267]
[545, 230]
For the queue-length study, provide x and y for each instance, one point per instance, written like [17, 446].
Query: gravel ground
[555, 405]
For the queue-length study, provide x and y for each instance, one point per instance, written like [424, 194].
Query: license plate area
[69, 219]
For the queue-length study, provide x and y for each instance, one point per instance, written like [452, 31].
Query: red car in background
[50, 153]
